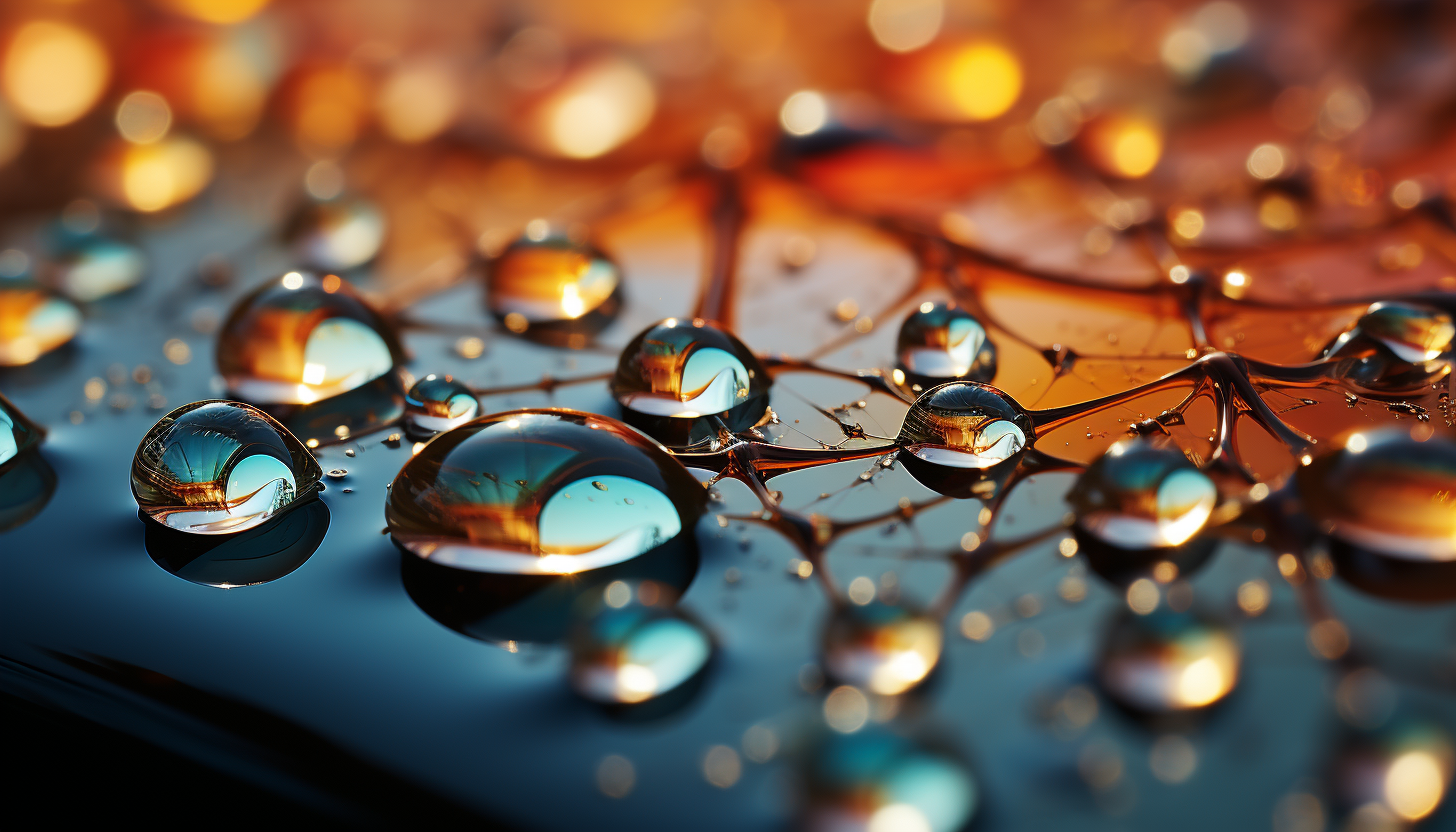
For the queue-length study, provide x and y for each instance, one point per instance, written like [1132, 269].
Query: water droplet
[1140, 504]
[17, 434]
[438, 403]
[941, 341]
[965, 424]
[255, 556]
[677, 372]
[1401, 773]
[1167, 662]
[338, 473]
[553, 288]
[220, 467]
[624, 654]
[92, 267]
[311, 352]
[875, 780]
[882, 648]
[1412, 346]
[335, 234]
[26, 480]
[33, 322]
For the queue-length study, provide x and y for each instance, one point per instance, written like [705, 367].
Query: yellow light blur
[228, 91]
[418, 102]
[1266, 161]
[54, 72]
[985, 80]
[905, 25]
[1415, 784]
[1278, 212]
[143, 117]
[163, 174]
[1202, 682]
[1188, 224]
[217, 11]
[1135, 147]
[599, 109]
[804, 112]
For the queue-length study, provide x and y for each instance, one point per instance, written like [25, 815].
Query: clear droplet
[558, 289]
[880, 647]
[632, 649]
[941, 341]
[1403, 769]
[17, 433]
[438, 403]
[255, 556]
[1412, 346]
[33, 322]
[218, 467]
[1168, 662]
[873, 780]
[965, 425]
[677, 372]
[335, 234]
[1143, 493]
[26, 480]
[91, 267]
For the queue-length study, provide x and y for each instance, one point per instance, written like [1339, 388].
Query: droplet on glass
[677, 372]
[965, 425]
[1403, 770]
[438, 403]
[33, 322]
[1394, 347]
[218, 467]
[880, 647]
[335, 234]
[1166, 663]
[874, 780]
[939, 342]
[313, 354]
[639, 649]
[556, 287]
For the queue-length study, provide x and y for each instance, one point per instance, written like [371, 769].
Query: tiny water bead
[1411, 345]
[677, 372]
[219, 467]
[541, 492]
[941, 341]
[33, 322]
[91, 267]
[876, 780]
[335, 234]
[882, 648]
[553, 289]
[630, 646]
[438, 403]
[313, 353]
[1167, 662]
[1399, 773]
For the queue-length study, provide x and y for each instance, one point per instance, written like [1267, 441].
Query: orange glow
[596, 110]
[152, 177]
[1125, 145]
[217, 11]
[54, 72]
[968, 81]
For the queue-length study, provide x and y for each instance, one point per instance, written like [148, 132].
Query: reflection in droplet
[26, 481]
[678, 371]
[1167, 662]
[219, 467]
[33, 322]
[1385, 502]
[882, 648]
[874, 780]
[315, 355]
[438, 403]
[91, 267]
[1411, 344]
[1404, 769]
[639, 649]
[258, 555]
[17, 433]
[561, 290]
[335, 234]
[941, 341]
[965, 425]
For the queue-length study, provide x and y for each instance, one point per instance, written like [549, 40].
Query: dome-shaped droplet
[256, 556]
[335, 234]
[438, 403]
[880, 647]
[1394, 347]
[549, 492]
[874, 780]
[677, 372]
[1386, 503]
[630, 646]
[1168, 662]
[1395, 775]
[17, 434]
[554, 289]
[313, 353]
[1143, 493]
[965, 424]
[941, 341]
[33, 322]
[26, 480]
[220, 467]
[93, 267]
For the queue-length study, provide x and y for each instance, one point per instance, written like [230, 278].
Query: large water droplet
[258, 555]
[554, 289]
[313, 353]
[438, 403]
[630, 646]
[939, 342]
[219, 467]
[677, 372]
[882, 648]
[33, 322]
[1411, 343]
[336, 234]
[965, 425]
[1398, 774]
[1167, 662]
[874, 780]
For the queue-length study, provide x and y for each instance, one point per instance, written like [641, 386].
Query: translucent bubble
[33, 322]
[314, 354]
[965, 424]
[939, 342]
[553, 289]
[335, 234]
[629, 649]
[1143, 493]
[1403, 769]
[541, 493]
[882, 648]
[438, 403]
[1167, 662]
[677, 372]
[218, 467]
[1411, 345]
[874, 780]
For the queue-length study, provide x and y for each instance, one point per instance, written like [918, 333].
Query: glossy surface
[965, 425]
[1395, 347]
[436, 403]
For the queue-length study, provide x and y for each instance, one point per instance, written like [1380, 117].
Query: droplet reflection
[874, 780]
[965, 425]
[26, 480]
[1168, 663]
[335, 234]
[1394, 347]
[939, 342]
[261, 554]
[630, 646]
[553, 289]
[438, 403]
[1401, 771]
[882, 648]
[33, 322]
